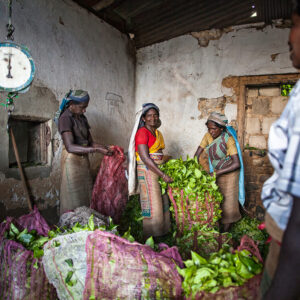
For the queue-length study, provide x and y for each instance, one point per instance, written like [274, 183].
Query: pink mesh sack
[110, 192]
[118, 269]
[22, 275]
[34, 220]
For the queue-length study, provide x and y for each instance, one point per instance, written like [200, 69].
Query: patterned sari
[228, 182]
[155, 207]
[217, 152]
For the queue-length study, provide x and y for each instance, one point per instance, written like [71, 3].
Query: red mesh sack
[190, 214]
[110, 192]
[118, 269]
[187, 212]
[22, 275]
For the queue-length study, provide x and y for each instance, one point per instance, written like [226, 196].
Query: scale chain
[10, 28]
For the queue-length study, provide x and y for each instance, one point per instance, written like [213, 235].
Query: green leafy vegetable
[249, 226]
[91, 223]
[69, 261]
[195, 196]
[150, 242]
[69, 276]
[221, 269]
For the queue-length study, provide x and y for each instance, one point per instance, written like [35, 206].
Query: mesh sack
[110, 192]
[22, 275]
[65, 265]
[249, 291]
[118, 269]
[186, 212]
[81, 215]
[191, 214]
[34, 220]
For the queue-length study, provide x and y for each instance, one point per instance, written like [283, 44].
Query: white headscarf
[132, 180]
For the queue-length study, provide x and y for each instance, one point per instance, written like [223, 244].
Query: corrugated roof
[153, 21]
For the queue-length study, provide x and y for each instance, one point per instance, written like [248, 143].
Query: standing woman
[148, 144]
[221, 148]
[76, 182]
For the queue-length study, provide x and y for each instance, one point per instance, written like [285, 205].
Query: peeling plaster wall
[71, 48]
[178, 74]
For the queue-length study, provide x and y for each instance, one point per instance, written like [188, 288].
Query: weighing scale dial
[16, 67]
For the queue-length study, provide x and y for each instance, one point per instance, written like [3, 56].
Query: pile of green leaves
[249, 226]
[34, 242]
[198, 186]
[30, 240]
[222, 269]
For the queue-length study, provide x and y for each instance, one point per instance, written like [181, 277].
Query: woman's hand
[105, 150]
[167, 178]
[166, 158]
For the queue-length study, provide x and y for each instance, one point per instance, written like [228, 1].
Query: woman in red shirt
[149, 144]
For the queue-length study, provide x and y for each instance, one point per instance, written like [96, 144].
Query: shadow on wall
[175, 150]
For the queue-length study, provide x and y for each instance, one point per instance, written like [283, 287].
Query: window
[33, 138]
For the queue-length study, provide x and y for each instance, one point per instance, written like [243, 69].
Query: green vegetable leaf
[69, 276]
[91, 223]
[203, 273]
[39, 242]
[56, 244]
[37, 253]
[128, 236]
[198, 173]
[150, 242]
[197, 259]
[52, 234]
[36, 264]
[13, 231]
[25, 238]
[69, 261]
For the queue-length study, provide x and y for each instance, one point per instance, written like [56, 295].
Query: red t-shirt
[144, 137]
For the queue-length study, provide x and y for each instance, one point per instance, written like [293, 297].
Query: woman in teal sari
[221, 149]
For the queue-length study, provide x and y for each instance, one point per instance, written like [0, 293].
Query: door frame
[240, 84]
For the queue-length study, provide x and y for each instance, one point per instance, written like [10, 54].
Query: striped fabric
[217, 151]
[284, 154]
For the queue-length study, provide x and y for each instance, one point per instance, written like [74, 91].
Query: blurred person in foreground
[281, 192]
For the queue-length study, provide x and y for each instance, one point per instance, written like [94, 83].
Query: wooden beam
[102, 4]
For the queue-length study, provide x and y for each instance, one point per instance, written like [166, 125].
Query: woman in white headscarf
[145, 154]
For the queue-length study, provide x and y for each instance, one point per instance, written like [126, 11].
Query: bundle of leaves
[34, 242]
[194, 194]
[221, 270]
[249, 226]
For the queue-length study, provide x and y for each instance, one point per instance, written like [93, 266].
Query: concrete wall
[72, 49]
[185, 79]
